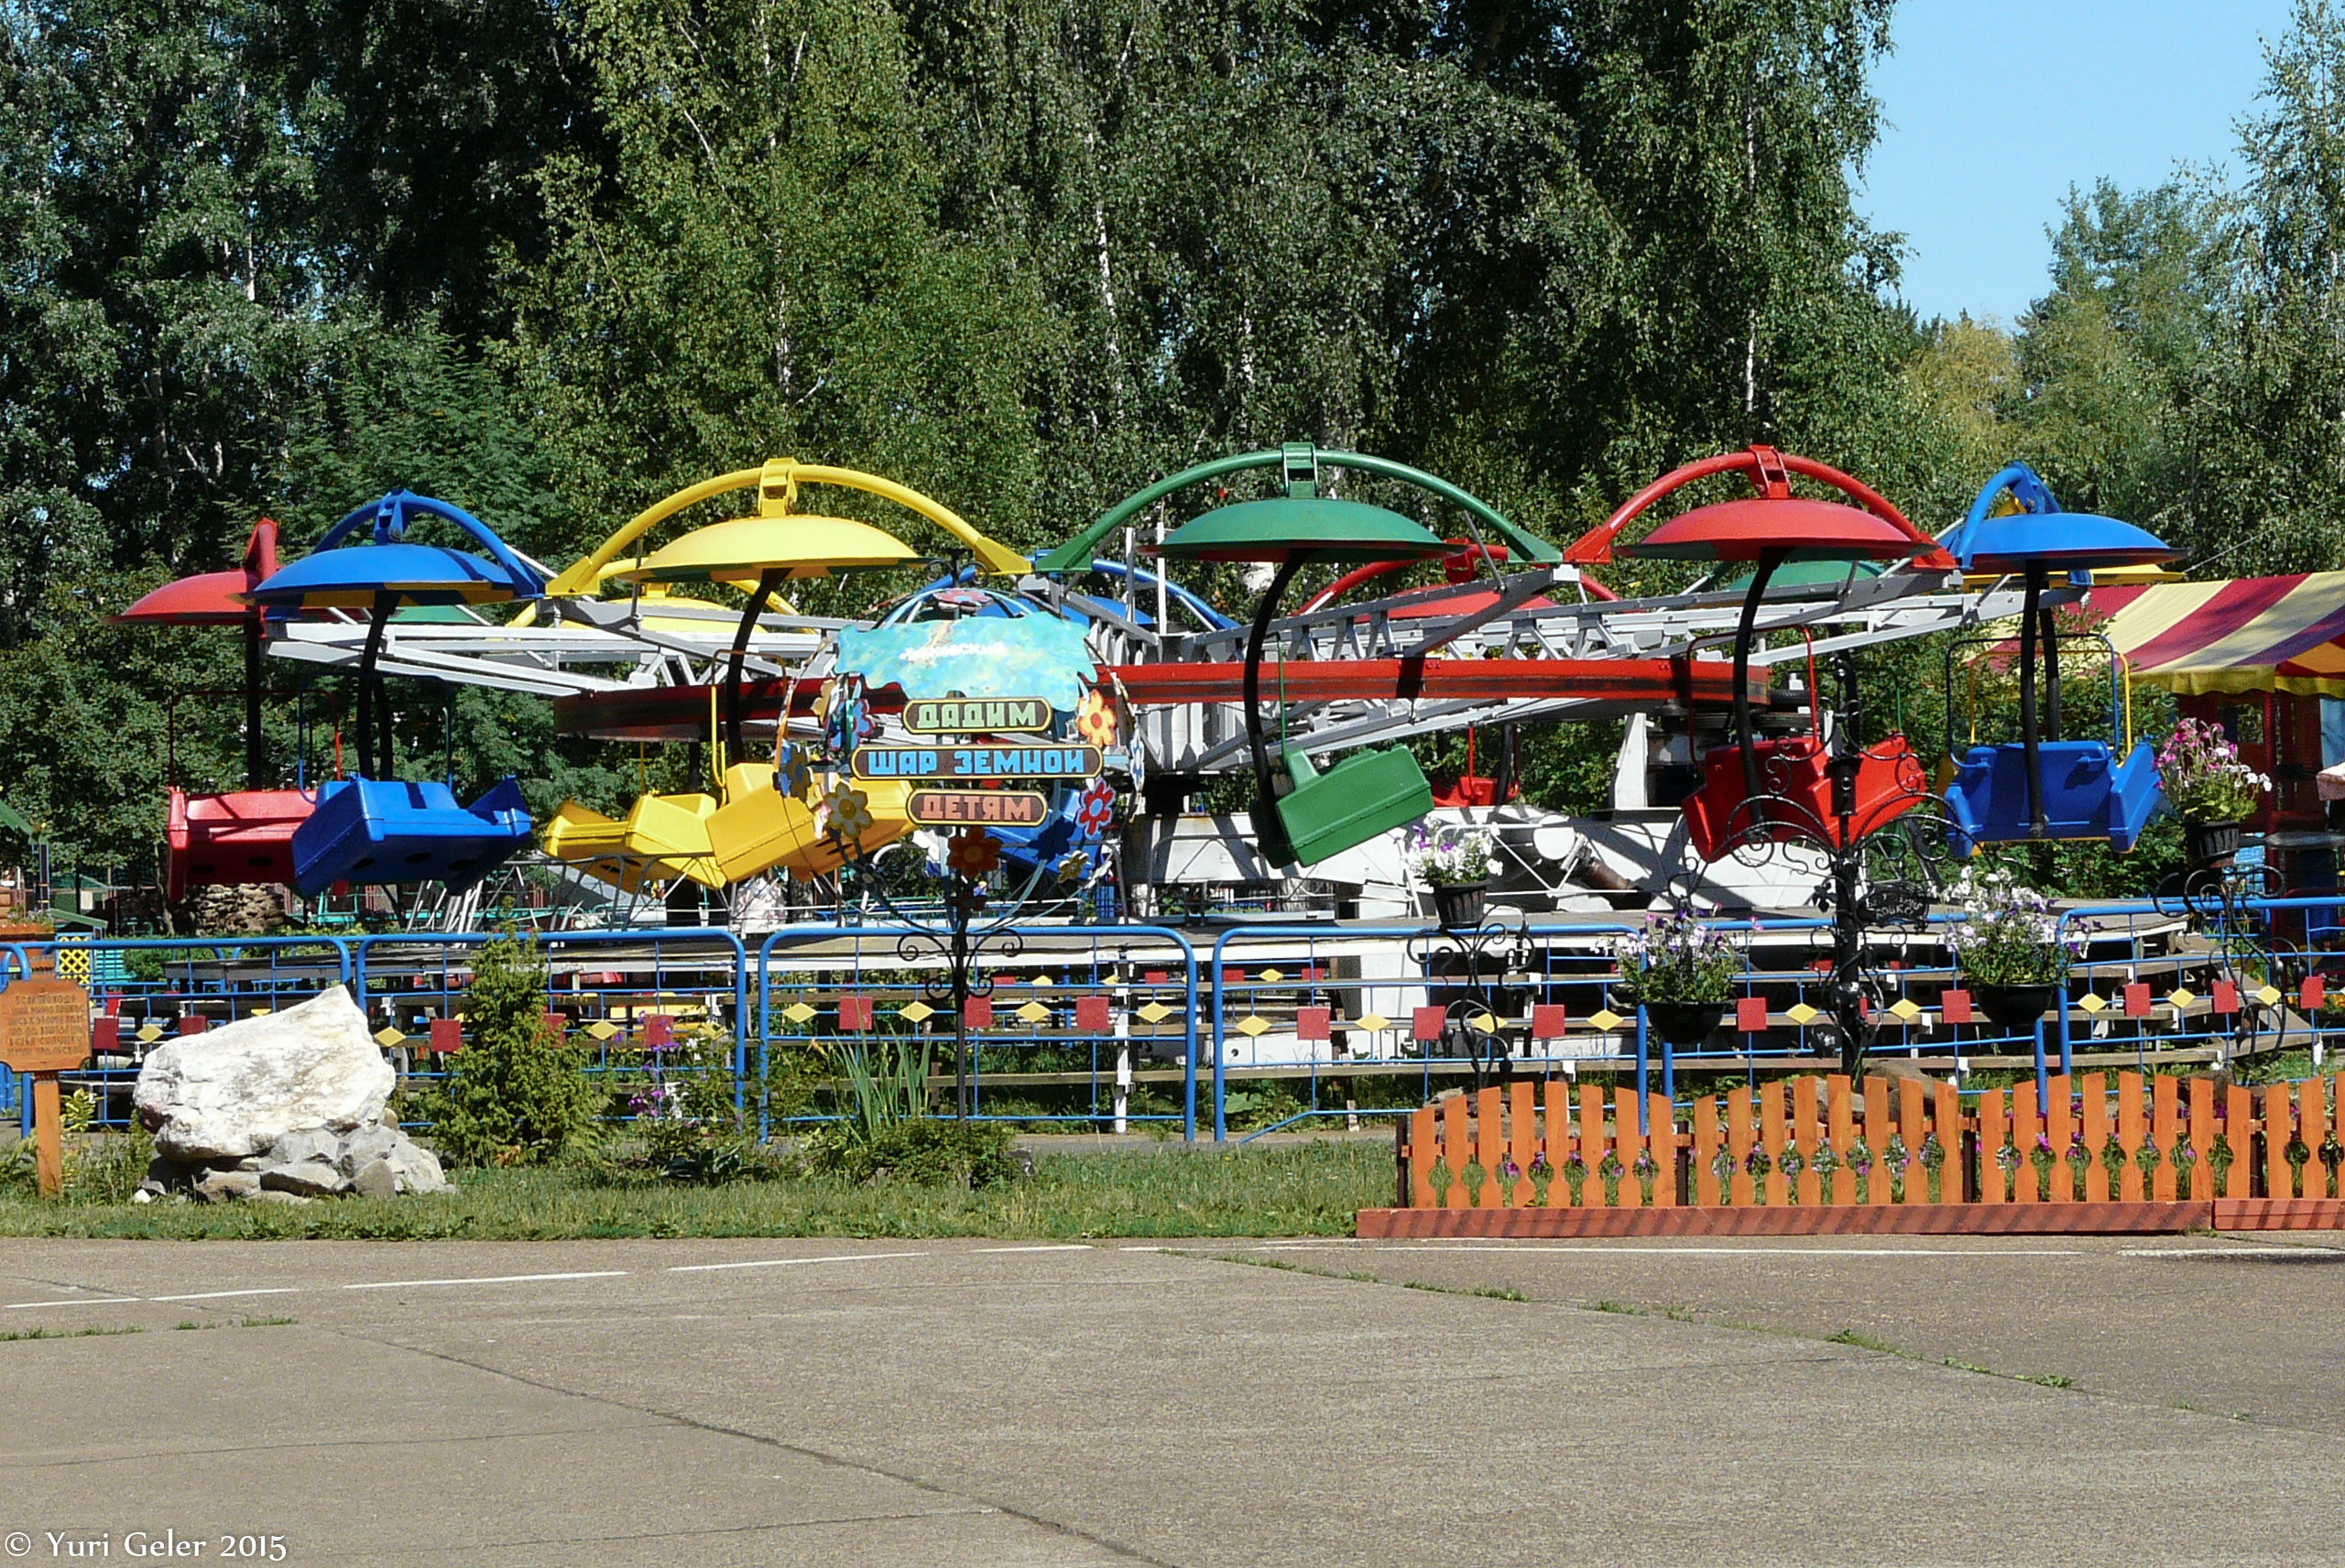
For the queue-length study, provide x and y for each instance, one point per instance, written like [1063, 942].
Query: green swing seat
[1323, 814]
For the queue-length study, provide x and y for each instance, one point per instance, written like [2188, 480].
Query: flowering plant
[1674, 957]
[1444, 859]
[2203, 779]
[2008, 934]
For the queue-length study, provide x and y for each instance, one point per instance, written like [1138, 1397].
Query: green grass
[1307, 1189]
[238, 1322]
[66, 1333]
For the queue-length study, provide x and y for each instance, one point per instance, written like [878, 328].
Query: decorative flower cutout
[973, 854]
[1095, 720]
[1073, 868]
[791, 774]
[846, 718]
[846, 813]
[1096, 809]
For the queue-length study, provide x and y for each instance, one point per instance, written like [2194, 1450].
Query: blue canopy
[357, 576]
[2038, 530]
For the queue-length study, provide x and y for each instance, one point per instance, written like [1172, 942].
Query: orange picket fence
[2138, 1150]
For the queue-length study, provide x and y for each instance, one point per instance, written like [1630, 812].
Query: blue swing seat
[2087, 794]
[366, 830]
[1025, 851]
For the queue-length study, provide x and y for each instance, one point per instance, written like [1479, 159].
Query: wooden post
[1559, 1142]
[2239, 1129]
[1591, 1144]
[1840, 1126]
[2130, 1135]
[1457, 1150]
[1877, 1125]
[2096, 1129]
[2024, 1132]
[1770, 1133]
[2312, 1113]
[2060, 1129]
[1804, 1132]
[1990, 1142]
[1423, 1151]
[2277, 1130]
[1739, 1187]
[2166, 1127]
[1952, 1188]
[1661, 1137]
[1522, 1138]
[1626, 1144]
[1706, 1152]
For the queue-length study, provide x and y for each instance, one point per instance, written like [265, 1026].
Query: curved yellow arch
[777, 483]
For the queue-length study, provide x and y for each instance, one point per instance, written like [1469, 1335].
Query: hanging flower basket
[1459, 905]
[2211, 844]
[1685, 1023]
[2016, 1007]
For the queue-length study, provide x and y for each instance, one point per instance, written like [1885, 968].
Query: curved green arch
[1076, 553]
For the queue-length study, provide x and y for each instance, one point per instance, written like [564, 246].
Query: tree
[2266, 429]
[763, 276]
[518, 1096]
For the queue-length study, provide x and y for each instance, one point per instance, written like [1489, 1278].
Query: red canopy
[212, 598]
[1809, 530]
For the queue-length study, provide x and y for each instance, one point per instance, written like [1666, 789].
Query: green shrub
[518, 1096]
[930, 1150]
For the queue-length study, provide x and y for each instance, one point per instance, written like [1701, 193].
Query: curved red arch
[1769, 472]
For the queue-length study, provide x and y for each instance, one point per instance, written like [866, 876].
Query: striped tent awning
[2249, 634]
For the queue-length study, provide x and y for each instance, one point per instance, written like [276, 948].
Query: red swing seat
[1794, 776]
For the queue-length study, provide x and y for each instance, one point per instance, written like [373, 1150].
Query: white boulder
[236, 1090]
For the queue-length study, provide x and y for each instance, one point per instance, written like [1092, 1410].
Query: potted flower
[1456, 865]
[2008, 943]
[1681, 972]
[2208, 786]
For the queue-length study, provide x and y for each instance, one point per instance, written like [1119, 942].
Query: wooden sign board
[956, 808]
[979, 715]
[44, 1026]
[975, 762]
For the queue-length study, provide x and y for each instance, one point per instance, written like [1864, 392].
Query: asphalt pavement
[1908, 1400]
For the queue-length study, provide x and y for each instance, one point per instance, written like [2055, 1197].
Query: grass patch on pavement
[1305, 1188]
[67, 1332]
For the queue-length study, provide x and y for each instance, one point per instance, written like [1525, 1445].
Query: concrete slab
[823, 1401]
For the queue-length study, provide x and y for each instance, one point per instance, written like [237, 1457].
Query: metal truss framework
[580, 647]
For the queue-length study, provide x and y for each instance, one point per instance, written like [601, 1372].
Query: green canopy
[1285, 527]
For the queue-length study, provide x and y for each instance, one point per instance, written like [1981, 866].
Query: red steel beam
[1641, 682]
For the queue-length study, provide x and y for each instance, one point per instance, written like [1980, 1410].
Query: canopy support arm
[1076, 554]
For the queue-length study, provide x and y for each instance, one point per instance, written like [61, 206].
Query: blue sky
[1992, 109]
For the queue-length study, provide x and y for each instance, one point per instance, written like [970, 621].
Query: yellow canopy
[744, 548]
[777, 485]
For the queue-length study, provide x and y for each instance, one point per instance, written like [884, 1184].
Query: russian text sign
[44, 1026]
[975, 762]
[974, 716]
[999, 808]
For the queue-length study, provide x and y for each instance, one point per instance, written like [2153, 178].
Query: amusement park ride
[1029, 702]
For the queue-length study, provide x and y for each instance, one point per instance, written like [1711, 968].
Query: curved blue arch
[388, 516]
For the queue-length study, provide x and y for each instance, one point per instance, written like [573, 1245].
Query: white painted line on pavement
[1562, 1250]
[787, 1262]
[2223, 1251]
[215, 1295]
[69, 1302]
[1066, 1247]
[486, 1280]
